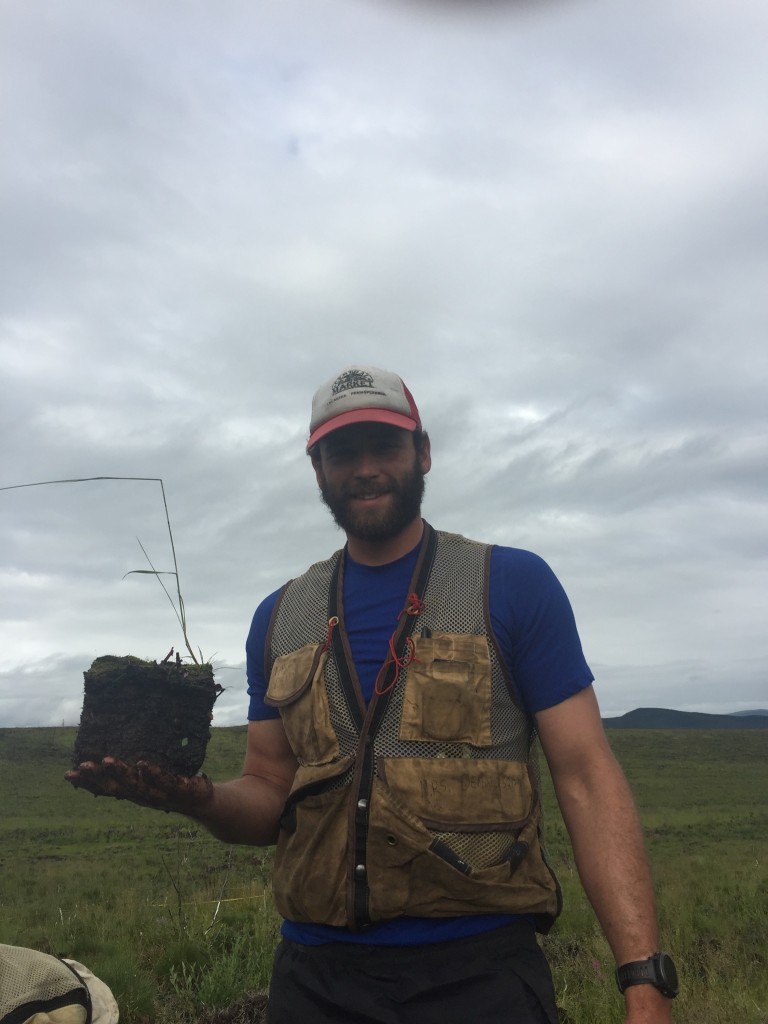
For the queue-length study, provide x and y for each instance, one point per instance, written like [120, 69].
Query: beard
[376, 524]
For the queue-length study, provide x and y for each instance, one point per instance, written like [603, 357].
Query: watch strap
[658, 970]
[638, 972]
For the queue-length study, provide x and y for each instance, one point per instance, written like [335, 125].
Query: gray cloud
[550, 219]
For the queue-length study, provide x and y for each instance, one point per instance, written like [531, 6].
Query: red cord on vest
[413, 606]
[332, 623]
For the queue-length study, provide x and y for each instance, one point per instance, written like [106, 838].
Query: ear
[425, 454]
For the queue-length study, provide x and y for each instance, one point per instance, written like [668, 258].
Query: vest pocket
[473, 817]
[447, 692]
[309, 879]
[452, 853]
[297, 687]
[461, 794]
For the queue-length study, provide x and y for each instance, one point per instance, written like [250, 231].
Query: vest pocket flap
[314, 778]
[460, 656]
[463, 794]
[292, 673]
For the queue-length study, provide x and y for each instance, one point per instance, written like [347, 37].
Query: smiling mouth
[364, 496]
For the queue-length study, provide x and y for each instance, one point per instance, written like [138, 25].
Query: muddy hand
[144, 783]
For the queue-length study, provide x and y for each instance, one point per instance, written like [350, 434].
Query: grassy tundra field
[180, 926]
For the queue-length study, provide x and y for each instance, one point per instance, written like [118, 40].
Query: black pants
[499, 977]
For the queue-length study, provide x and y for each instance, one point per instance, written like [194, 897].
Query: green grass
[177, 923]
[170, 918]
[702, 798]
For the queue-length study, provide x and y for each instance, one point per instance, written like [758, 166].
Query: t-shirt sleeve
[254, 661]
[536, 629]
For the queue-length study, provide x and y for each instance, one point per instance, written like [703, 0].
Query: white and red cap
[362, 394]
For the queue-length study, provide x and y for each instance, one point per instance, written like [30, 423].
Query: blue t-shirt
[536, 631]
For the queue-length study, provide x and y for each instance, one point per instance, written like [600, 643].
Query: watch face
[668, 973]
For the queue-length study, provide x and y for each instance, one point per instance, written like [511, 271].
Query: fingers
[108, 777]
[146, 784]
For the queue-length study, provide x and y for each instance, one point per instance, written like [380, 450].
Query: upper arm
[534, 625]
[573, 739]
[268, 755]
[255, 651]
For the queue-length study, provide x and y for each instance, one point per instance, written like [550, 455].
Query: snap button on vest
[360, 871]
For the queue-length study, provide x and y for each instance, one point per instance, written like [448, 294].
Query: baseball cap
[361, 394]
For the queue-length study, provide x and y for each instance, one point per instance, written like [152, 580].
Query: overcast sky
[549, 217]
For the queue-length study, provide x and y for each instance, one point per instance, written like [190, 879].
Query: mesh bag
[36, 988]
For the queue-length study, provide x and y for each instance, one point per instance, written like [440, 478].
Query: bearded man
[398, 693]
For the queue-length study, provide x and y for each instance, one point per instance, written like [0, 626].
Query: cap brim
[345, 419]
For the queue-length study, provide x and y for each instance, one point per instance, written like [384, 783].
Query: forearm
[599, 813]
[610, 857]
[246, 810]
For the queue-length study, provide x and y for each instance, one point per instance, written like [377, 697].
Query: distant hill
[664, 718]
[757, 711]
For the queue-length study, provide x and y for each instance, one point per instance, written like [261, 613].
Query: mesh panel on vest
[481, 850]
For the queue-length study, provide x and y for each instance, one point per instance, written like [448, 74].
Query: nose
[366, 465]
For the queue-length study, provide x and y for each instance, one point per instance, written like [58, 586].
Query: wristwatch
[658, 970]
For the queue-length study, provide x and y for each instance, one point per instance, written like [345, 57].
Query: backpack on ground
[36, 988]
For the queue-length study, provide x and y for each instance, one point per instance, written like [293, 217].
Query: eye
[339, 454]
[386, 447]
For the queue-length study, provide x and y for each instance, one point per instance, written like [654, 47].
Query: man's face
[372, 479]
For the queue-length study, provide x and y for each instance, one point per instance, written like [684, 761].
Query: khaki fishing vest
[425, 802]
